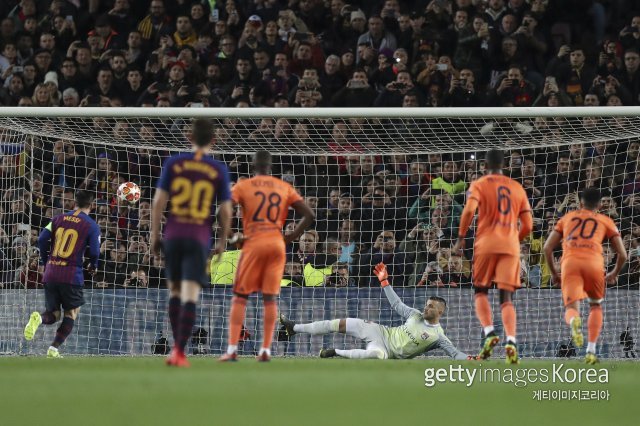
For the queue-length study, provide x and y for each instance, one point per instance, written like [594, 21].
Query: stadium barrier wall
[129, 321]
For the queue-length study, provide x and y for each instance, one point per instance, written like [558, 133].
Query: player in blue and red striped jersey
[192, 181]
[62, 244]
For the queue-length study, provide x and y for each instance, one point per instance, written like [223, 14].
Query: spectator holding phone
[514, 90]
[422, 245]
[507, 55]
[533, 46]
[394, 92]
[356, 93]
[609, 62]
[630, 35]
[552, 95]
[574, 75]
[462, 91]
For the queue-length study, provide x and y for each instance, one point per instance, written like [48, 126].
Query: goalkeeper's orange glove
[473, 358]
[381, 273]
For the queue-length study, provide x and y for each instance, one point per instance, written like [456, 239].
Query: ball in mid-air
[129, 192]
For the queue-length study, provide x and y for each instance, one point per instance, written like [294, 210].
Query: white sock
[360, 353]
[53, 348]
[318, 327]
[231, 349]
[591, 347]
[488, 329]
[264, 350]
[511, 339]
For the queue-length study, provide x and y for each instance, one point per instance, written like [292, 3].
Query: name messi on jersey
[72, 219]
[196, 166]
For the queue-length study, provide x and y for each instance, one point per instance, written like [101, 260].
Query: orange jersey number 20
[583, 232]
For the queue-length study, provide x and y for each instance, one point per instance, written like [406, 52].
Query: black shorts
[60, 294]
[185, 260]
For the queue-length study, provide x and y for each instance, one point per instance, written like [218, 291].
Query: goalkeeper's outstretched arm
[403, 310]
[445, 344]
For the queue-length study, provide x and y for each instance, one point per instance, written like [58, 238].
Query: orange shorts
[260, 267]
[582, 278]
[502, 269]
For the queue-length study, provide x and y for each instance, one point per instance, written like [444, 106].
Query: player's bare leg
[63, 331]
[236, 318]
[572, 318]
[269, 324]
[594, 325]
[509, 322]
[485, 316]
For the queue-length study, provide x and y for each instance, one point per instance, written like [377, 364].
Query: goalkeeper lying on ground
[420, 333]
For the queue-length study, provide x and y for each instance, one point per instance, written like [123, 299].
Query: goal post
[386, 184]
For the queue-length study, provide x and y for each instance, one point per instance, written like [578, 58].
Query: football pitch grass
[293, 391]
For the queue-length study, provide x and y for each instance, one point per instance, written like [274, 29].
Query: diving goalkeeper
[420, 333]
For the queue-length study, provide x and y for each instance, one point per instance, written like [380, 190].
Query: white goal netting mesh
[383, 189]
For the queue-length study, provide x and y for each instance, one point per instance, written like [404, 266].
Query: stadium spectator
[356, 93]
[384, 250]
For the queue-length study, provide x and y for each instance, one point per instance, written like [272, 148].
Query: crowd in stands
[400, 209]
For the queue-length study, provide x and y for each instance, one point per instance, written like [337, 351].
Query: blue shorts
[62, 294]
[185, 260]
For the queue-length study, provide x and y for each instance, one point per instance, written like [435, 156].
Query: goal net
[386, 185]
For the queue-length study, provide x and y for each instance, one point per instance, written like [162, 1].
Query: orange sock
[509, 318]
[483, 309]
[236, 318]
[270, 316]
[569, 314]
[594, 324]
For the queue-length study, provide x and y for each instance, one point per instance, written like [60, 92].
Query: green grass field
[142, 391]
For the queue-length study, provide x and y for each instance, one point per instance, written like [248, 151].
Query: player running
[192, 181]
[69, 234]
[420, 333]
[265, 202]
[500, 201]
[582, 269]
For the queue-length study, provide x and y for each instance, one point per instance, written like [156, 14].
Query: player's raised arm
[403, 310]
[307, 219]
[621, 258]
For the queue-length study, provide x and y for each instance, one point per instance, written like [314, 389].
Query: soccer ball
[129, 192]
